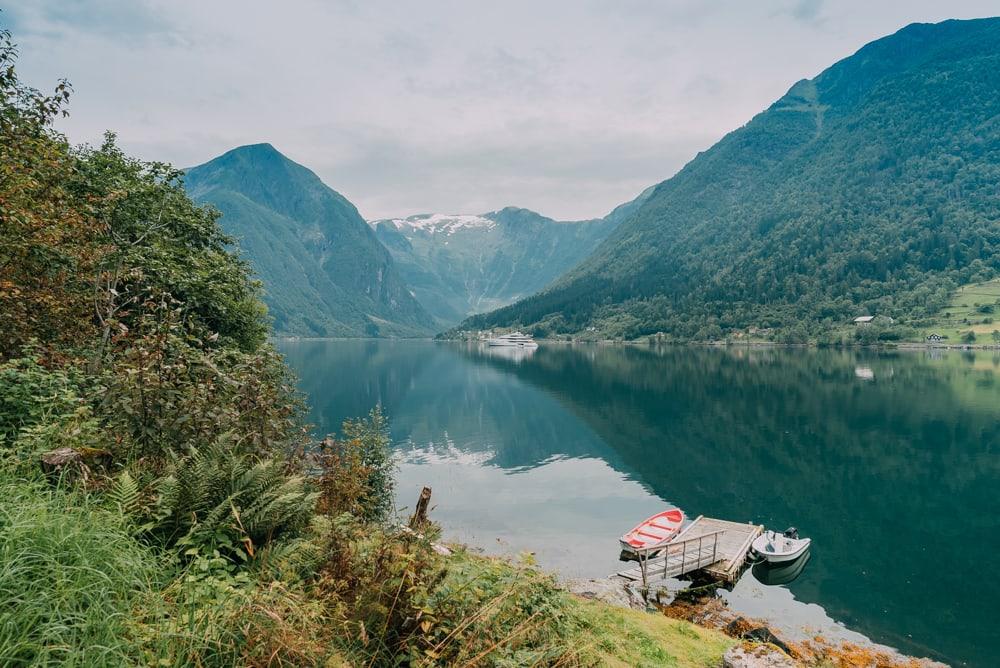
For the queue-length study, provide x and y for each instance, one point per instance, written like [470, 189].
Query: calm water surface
[890, 462]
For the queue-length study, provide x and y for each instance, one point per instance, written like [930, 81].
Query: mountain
[458, 265]
[323, 270]
[870, 189]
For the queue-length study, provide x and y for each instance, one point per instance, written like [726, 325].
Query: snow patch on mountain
[434, 223]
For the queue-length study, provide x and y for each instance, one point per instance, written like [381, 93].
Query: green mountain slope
[869, 189]
[323, 270]
[465, 264]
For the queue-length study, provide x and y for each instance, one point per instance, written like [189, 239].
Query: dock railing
[694, 553]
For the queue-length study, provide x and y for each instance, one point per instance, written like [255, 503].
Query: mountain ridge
[323, 270]
[459, 264]
[866, 188]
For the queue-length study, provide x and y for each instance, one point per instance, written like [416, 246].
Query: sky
[567, 107]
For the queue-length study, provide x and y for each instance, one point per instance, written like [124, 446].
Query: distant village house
[865, 320]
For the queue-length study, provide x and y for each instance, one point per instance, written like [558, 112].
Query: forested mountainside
[324, 273]
[458, 265]
[870, 189]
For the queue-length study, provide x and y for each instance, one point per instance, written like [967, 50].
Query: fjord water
[889, 461]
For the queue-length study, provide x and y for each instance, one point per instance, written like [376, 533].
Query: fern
[219, 498]
[124, 494]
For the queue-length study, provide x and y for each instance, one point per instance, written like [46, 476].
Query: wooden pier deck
[719, 547]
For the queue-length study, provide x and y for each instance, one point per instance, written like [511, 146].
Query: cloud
[807, 11]
[134, 22]
[569, 108]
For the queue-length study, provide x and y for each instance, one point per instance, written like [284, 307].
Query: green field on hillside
[973, 308]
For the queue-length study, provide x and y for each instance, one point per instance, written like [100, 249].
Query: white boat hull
[775, 548]
[507, 344]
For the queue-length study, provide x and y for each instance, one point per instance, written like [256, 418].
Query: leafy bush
[31, 393]
[488, 611]
[213, 614]
[356, 471]
[169, 389]
[403, 603]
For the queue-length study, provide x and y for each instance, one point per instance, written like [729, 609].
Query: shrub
[357, 469]
[31, 393]
[406, 604]
[170, 390]
[492, 612]
[213, 615]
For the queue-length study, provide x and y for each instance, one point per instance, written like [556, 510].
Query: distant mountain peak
[324, 271]
[435, 223]
[259, 147]
[262, 150]
[515, 209]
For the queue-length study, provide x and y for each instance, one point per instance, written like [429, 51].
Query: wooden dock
[717, 547]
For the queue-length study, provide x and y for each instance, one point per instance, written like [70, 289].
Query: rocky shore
[761, 647]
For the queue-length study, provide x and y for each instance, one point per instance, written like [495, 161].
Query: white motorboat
[777, 547]
[513, 340]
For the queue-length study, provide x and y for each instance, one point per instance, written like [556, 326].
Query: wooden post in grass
[420, 514]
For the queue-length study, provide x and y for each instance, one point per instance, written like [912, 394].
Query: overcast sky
[566, 107]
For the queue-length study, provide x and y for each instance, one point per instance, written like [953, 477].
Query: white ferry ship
[513, 340]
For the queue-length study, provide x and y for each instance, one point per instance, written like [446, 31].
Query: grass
[77, 589]
[963, 314]
[617, 637]
[572, 631]
[70, 576]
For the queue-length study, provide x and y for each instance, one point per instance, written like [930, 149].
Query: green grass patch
[70, 578]
[973, 308]
[618, 637]
[501, 613]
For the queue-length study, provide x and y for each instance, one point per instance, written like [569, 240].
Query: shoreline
[704, 607]
[901, 345]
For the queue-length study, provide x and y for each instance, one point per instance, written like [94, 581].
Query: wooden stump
[72, 464]
[420, 514]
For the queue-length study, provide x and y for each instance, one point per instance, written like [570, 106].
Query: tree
[49, 244]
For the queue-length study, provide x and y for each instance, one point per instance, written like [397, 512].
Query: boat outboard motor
[792, 532]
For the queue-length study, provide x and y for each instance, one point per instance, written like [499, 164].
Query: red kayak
[654, 531]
